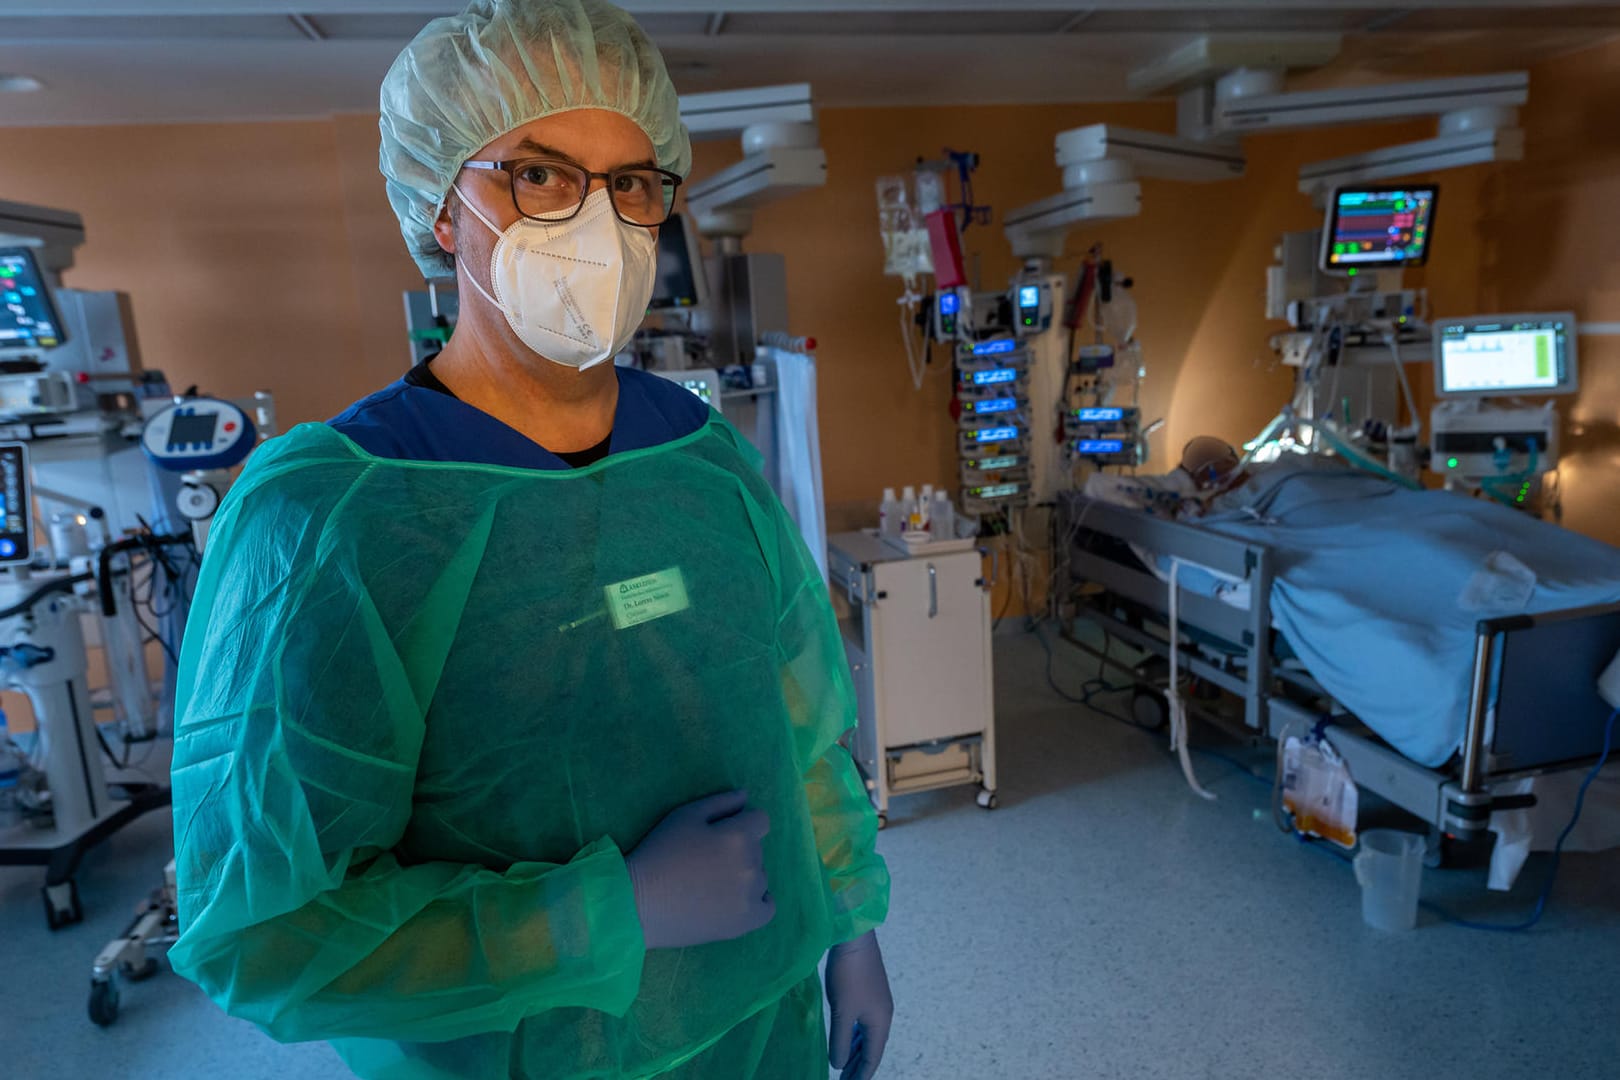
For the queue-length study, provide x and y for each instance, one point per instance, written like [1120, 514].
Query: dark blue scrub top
[410, 420]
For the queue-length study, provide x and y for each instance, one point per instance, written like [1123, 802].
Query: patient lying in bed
[1378, 588]
[1209, 468]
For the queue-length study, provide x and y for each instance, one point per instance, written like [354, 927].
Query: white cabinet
[918, 642]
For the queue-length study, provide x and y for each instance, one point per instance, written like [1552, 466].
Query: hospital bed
[1528, 703]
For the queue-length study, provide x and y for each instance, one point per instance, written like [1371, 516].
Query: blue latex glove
[862, 1008]
[699, 876]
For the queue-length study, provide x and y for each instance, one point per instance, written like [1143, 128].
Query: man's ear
[444, 229]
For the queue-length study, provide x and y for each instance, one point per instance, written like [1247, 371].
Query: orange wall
[1197, 254]
[265, 255]
[1550, 240]
[254, 256]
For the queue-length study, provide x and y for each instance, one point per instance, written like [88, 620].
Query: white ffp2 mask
[574, 291]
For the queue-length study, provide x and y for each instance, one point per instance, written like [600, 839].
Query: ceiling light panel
[896, 23]
[26, 28]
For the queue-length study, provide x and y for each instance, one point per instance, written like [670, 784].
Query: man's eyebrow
[528, 145]
[542, 150]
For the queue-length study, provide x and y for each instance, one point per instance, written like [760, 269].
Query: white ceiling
[135, 61]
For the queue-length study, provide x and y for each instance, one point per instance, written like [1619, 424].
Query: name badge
[643, 599]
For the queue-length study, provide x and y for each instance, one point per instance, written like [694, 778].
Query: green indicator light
[1352, 273]
[1451, 463]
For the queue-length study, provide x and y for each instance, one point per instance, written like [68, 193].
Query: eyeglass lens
[549, 189]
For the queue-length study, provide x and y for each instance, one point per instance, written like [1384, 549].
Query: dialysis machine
[202, 441]
[1483, 436]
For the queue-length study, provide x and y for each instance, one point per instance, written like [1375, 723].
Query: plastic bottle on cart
[942, 517]
[908, 509]
[889, 514]
[925, 508]
[10, 774]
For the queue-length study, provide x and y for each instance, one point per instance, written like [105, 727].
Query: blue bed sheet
[1370, 586]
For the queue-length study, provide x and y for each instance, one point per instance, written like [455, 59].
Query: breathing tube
[1330, 435]
[1360, 460]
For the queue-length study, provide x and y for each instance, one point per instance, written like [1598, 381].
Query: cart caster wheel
[987, 800]
[103, 1002]
[141, 973]
[1150, 710]
[62, 906]
[883, 822]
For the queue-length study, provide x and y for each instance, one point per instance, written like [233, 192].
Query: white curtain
[799, 446]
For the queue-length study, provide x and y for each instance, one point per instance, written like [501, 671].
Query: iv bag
[906, 251]
[1116, 319]
[930, 191]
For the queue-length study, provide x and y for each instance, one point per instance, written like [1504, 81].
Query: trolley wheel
[883, 822]
[57, 913]
[1150, 710]
[103, 1002]
[986, 799]
[141, 973]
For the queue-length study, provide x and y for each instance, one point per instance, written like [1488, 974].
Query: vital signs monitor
[1378, 228]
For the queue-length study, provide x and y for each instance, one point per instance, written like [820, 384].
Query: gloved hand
[699, 876]
[862, 1008]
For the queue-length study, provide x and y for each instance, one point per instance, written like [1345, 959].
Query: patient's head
[1209, 461]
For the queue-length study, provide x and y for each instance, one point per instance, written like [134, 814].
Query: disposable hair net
[424, 711]
[468, 79]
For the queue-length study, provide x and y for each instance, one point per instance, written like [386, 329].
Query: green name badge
[643, 599]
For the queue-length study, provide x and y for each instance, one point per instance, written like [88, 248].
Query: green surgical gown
[425, 709]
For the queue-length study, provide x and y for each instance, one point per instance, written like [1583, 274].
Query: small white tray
[929, 547]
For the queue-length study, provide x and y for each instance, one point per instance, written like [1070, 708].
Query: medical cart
[918, 641]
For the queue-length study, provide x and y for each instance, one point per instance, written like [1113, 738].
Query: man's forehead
[599, 138]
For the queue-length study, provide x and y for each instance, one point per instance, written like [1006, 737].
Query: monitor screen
[196, 430]
[994, 464]
[28, 319]
[996, 491]
[992, 405]
[1379, 227]
[1029, 296]
[1505, 355]
[995, 376]
[680, 281]
[16, 511]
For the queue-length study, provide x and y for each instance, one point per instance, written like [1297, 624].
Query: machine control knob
[198, 502]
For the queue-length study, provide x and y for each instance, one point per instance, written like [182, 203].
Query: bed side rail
[1249, 630]
[1533, 702]
[1190, 543]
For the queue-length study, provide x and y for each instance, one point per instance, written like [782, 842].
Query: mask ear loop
[468, 203]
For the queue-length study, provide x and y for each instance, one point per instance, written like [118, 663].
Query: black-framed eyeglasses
[546, 189]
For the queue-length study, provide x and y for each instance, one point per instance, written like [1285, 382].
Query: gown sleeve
[820, 697]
